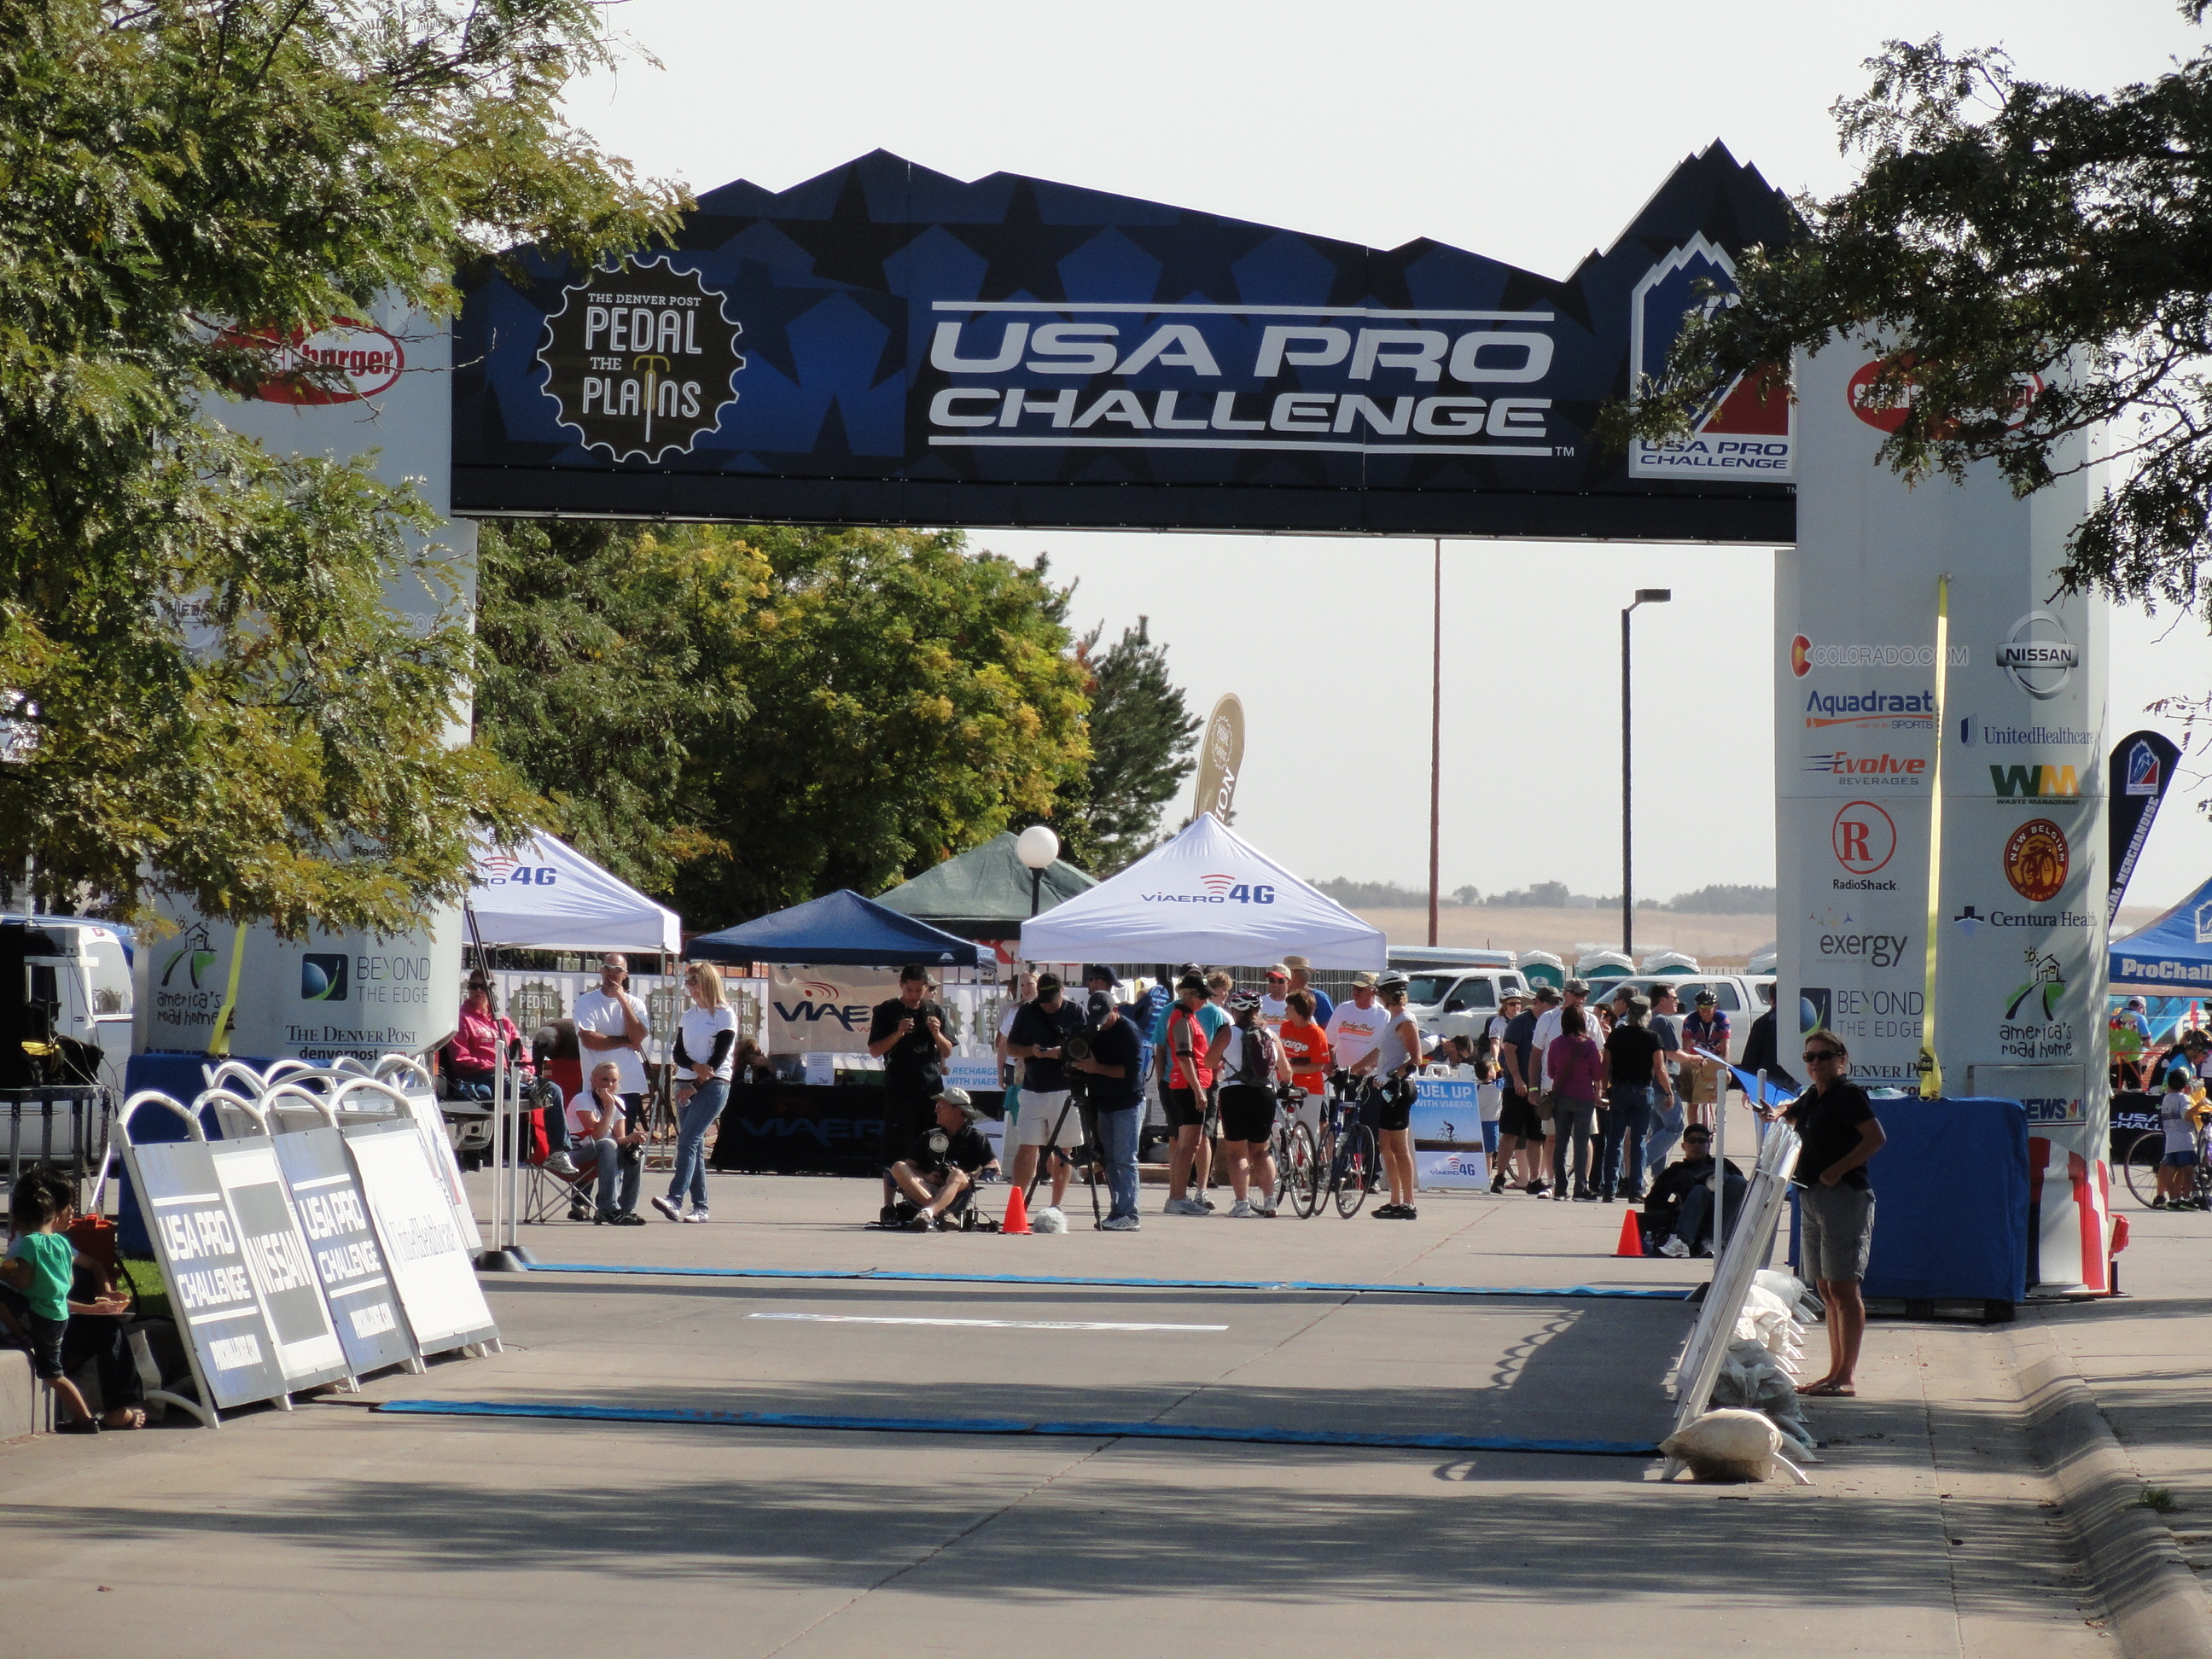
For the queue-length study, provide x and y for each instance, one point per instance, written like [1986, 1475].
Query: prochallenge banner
[883, 344]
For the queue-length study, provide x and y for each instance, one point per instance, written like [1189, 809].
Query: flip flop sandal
[1828, 1391]
[78, 1426]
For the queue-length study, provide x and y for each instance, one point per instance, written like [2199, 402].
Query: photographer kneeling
[943, 1161]
[1110, 1074]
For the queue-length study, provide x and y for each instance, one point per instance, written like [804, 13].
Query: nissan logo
[2038, 656]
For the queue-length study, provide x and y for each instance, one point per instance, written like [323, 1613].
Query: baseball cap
[1100, 970]
[1280, 970]
[1100, 1005]
[1363, 978]
[953, 1097]
[1190, 983]
[1547, 993]
[1297, 963]
[1579, 986]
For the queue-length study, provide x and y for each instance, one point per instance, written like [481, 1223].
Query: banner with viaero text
[1447, 1124]
[2020, 922]
[824, 1010]
[200, 1247]
[433, 1270]
[348, 1264]
[886, 344]
[2141, 772]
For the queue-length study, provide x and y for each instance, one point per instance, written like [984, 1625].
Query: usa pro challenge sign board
[886, 344]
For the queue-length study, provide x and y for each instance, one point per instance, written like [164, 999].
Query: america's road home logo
[194, 948]
[640, 360]
[1750, 429]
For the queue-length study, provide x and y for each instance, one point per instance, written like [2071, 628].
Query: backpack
[1255, 1059]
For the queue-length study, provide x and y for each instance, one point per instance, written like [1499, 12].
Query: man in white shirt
[1272, 1009]
[1576, 994]
[1357, 1026]
[611, 1025]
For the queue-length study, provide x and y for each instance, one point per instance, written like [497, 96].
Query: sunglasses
[1813, 1056]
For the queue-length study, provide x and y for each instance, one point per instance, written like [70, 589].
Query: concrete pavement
[336, 1529]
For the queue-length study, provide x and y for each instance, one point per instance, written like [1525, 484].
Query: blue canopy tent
[2173, 957]
[840, 928]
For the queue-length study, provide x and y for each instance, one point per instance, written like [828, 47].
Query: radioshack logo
[1750, 429]
[1863, 837]
[1805, 656]
[1219, 889]
[323, 978]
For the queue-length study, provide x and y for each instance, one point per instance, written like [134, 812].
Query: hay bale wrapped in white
[1730, 1445]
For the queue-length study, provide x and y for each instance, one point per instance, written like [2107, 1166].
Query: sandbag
[1726, 1445]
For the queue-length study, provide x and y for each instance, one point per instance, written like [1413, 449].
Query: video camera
[1074, 1046]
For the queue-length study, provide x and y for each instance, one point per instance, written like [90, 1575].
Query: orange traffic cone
[1018, 1213]
[1631, 1234]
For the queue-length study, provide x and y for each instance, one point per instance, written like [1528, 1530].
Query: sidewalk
[1925, 1531]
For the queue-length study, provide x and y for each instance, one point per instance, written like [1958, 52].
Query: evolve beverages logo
[1220, 888]
[2027, 783]
[1749, 428]
[1880, 771]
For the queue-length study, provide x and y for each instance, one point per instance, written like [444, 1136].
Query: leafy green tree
[1142, 736]
[206, 695]
[2038, 260]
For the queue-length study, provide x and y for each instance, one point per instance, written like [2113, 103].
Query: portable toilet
[1541, 967]
[1603, 964]
[1669, 961]
[1763, 960]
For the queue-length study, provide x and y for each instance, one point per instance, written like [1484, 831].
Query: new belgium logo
[640, 359]
[2036, 857]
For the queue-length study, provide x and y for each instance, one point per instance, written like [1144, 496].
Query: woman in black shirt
[1838, 1133]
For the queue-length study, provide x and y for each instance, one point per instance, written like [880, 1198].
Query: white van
[80, 970]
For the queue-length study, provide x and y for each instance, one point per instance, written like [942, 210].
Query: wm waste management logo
[640, 360]
[1742, 434]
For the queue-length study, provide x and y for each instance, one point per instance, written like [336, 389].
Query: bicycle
[2139, 1167]
[1347, 1157]
[1291, 1146]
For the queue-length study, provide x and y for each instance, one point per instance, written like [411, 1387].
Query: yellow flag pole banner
[1931, 1068]
[219, 1041]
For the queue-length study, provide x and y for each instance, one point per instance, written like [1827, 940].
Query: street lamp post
[1644, 596]
[1036, 846]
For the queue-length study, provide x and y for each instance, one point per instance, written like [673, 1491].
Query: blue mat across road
[1014, 1425]
[1613, 1292]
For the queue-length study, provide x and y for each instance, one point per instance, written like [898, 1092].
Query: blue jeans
[1622, 1170]
[1667, 1125]
[1490, 1138]
[698, 1116]
[1695, 1220]
[1117, 1141]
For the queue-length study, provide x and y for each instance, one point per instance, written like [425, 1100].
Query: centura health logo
[1807, 654]
[1217, 887]
[1748, 429]
[640, 358]
[341, 362]
[1881, 711]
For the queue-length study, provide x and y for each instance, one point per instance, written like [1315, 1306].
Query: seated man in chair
[939, 1171]
[1678, 1213]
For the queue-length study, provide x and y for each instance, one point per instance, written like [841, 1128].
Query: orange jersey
[1306, 1047]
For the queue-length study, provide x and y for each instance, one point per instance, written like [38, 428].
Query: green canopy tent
[985, 892]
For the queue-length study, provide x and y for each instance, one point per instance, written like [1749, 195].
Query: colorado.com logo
[1220, 889]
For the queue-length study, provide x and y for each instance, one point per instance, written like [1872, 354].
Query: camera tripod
[1052, 1149]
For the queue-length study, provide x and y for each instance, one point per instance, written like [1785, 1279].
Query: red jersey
[1305, 1046]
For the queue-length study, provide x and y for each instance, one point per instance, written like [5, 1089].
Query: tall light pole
[1435, 726]
[1644, 596]
[1036, 846]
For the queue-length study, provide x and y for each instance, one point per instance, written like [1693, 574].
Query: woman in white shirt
[706, 1038]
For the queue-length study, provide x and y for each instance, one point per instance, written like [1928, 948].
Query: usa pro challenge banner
[887, 344]
[2021, 925]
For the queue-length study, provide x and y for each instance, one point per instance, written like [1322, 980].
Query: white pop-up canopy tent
[543, 895]
[1206, 895]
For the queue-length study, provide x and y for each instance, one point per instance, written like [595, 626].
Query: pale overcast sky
[1527, 134]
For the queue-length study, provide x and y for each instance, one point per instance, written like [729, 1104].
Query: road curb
[2158, 1608]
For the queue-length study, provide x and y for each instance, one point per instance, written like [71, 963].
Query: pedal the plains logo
[1749, 430]
[2035, 860]
[640, 359]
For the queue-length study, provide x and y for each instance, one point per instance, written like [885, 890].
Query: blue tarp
[839, 928]
[2173, 957]
[1951, 1196]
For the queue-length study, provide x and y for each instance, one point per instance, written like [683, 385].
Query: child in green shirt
[38, 1266]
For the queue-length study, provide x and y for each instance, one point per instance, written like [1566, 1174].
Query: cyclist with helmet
[1389, 1105]
[1183, 1060]
[1248, 1060]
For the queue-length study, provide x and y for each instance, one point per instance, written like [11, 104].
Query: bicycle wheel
[1359, 1164]
[2139, 1167]
[1294, 1169]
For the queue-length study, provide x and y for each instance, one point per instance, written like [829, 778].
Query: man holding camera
[1041, 1030]
[908, 1035]
[1114, 1069]
[943, 1161]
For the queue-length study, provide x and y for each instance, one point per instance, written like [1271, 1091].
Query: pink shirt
[476, 1042]
[1574, 1065]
